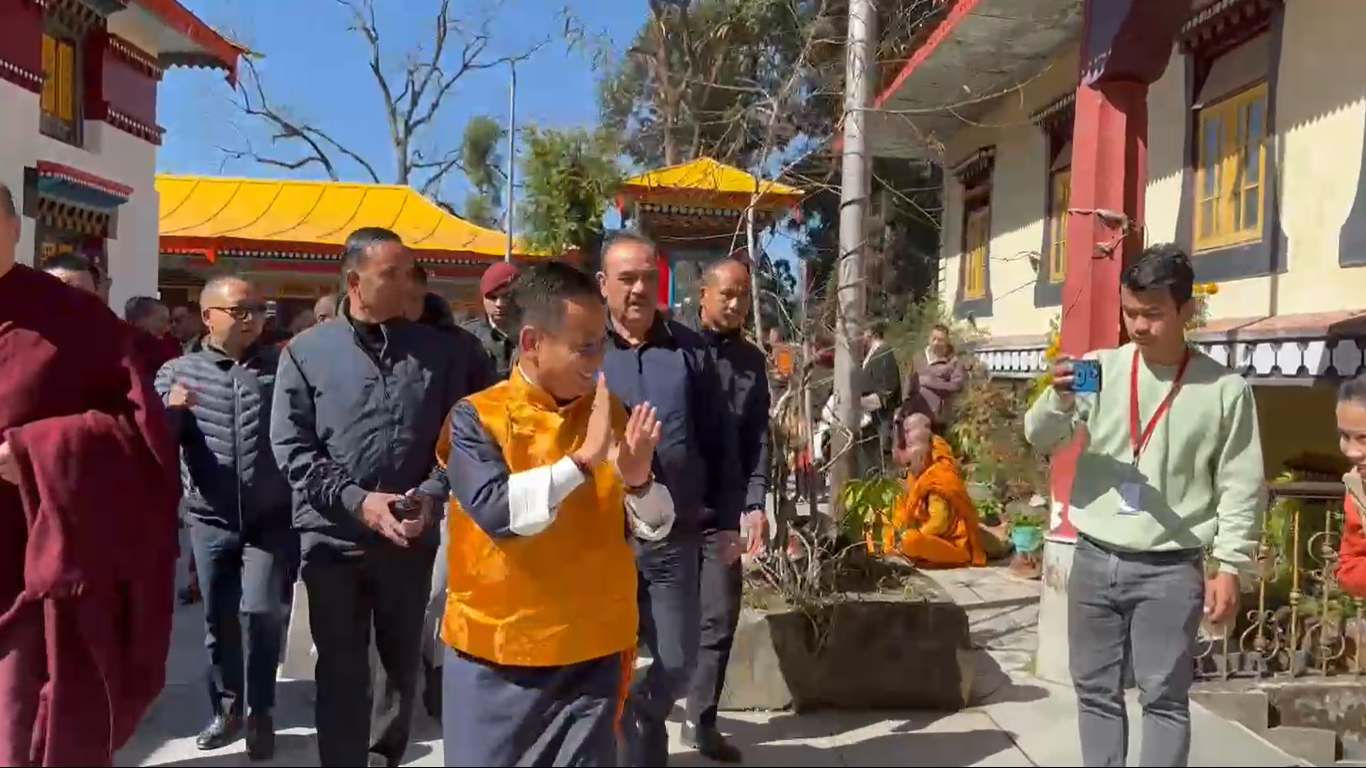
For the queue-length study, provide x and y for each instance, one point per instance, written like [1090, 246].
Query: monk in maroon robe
[88, 493]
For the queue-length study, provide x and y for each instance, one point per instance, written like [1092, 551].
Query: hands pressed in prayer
[597, 443]
[636, 453]
[181, 396]
[9, 469]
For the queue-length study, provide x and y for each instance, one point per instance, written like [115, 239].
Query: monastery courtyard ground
[1023, 721]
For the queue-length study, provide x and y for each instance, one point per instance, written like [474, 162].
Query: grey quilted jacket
[227, 469]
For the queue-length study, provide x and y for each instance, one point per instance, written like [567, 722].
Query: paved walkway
[1020, 721]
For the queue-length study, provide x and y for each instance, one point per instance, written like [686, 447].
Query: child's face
[1352, 432]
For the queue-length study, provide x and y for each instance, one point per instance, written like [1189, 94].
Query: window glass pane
[1252, 208]
[1207, 218]
[1252, 165]
[1256, 127]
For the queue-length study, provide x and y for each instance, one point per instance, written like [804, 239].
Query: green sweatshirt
[1198, 481]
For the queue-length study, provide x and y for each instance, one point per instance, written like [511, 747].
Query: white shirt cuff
[651, 515]
[534, 496]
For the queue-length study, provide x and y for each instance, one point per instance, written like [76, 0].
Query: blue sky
[317, 71]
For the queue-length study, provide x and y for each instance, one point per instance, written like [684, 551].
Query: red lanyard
[1140, 441]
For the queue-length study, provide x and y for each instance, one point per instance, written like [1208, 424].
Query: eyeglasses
[243, 311]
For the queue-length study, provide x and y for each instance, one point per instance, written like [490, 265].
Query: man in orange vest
[550, 478]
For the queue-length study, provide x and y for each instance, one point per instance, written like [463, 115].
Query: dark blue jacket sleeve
[298, 450]
[754, 437]
[718, 439]
[477, 474]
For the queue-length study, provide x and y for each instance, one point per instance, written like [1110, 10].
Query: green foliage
[482, 159]
[702, 79]
[569, 177]
[868, 505]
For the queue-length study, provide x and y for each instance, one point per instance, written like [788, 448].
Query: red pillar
[1109, 173]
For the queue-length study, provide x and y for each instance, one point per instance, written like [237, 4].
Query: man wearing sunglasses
[238, 502]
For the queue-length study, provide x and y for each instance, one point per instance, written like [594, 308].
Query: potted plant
[868, 507]
[1026, 532]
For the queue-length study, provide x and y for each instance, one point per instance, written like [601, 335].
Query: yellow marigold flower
[1211, 288]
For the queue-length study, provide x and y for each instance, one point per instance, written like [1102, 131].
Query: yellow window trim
[1060, 199]
[976, 239]
[1230, 113]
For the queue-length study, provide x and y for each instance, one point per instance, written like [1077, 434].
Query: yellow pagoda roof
[209, 214]
[707, 182]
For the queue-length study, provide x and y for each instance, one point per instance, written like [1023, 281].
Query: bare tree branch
[412, 95]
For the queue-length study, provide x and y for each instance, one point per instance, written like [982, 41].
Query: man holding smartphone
[1167, 500]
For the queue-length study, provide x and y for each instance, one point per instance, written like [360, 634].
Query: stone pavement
[1019, 720]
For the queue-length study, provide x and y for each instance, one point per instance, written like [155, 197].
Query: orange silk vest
[565, 595]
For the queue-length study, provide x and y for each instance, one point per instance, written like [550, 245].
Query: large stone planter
[875, 653]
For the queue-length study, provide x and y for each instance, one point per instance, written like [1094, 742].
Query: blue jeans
[241, 577]
[669, 627]
[1144, 609]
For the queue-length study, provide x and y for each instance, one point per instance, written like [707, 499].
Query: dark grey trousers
[1144, 609]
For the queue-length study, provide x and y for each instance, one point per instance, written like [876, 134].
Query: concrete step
[1250, 709]
[1317, 746]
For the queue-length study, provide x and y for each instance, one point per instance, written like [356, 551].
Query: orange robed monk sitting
[934, 523]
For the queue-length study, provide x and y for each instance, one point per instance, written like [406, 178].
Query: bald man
[220, 398]
[88, 493]
[743, 371]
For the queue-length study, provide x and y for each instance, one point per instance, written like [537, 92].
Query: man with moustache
[238, 505]
[743, 369]
[662, 362]
[358, 408]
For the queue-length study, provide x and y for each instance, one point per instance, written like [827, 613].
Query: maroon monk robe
[88, 536]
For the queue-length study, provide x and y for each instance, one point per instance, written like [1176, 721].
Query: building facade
[78, 117]
[1074, 132]
[288, 237]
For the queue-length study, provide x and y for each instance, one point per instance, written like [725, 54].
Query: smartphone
[406, 508]
[1086, 376]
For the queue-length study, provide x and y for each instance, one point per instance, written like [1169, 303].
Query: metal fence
[1294, 620]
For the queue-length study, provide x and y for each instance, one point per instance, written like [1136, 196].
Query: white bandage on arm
[534, 496]
[651, 515]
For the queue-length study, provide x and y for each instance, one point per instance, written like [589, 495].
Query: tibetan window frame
[1232, 54]
[974, 175]
[1056, 123]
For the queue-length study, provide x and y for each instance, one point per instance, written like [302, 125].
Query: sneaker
[223, 731]
[260, 737]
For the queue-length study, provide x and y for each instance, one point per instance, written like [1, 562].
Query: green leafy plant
[868, 506]
[1027, 520]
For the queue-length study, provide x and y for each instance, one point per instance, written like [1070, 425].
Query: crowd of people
[503, 513]
[545, 489]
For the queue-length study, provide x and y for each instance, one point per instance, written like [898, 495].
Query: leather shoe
[260, 737]
[221, 732]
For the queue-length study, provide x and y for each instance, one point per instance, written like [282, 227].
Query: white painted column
[1052, 661]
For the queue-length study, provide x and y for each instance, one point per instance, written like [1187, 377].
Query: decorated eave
[704, 188]
[179, 38]
[1288, 350]
[310, 221]
[971, 52]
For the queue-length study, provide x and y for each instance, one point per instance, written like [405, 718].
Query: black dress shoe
[260, 737]
[710, 744]
[221, 732]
